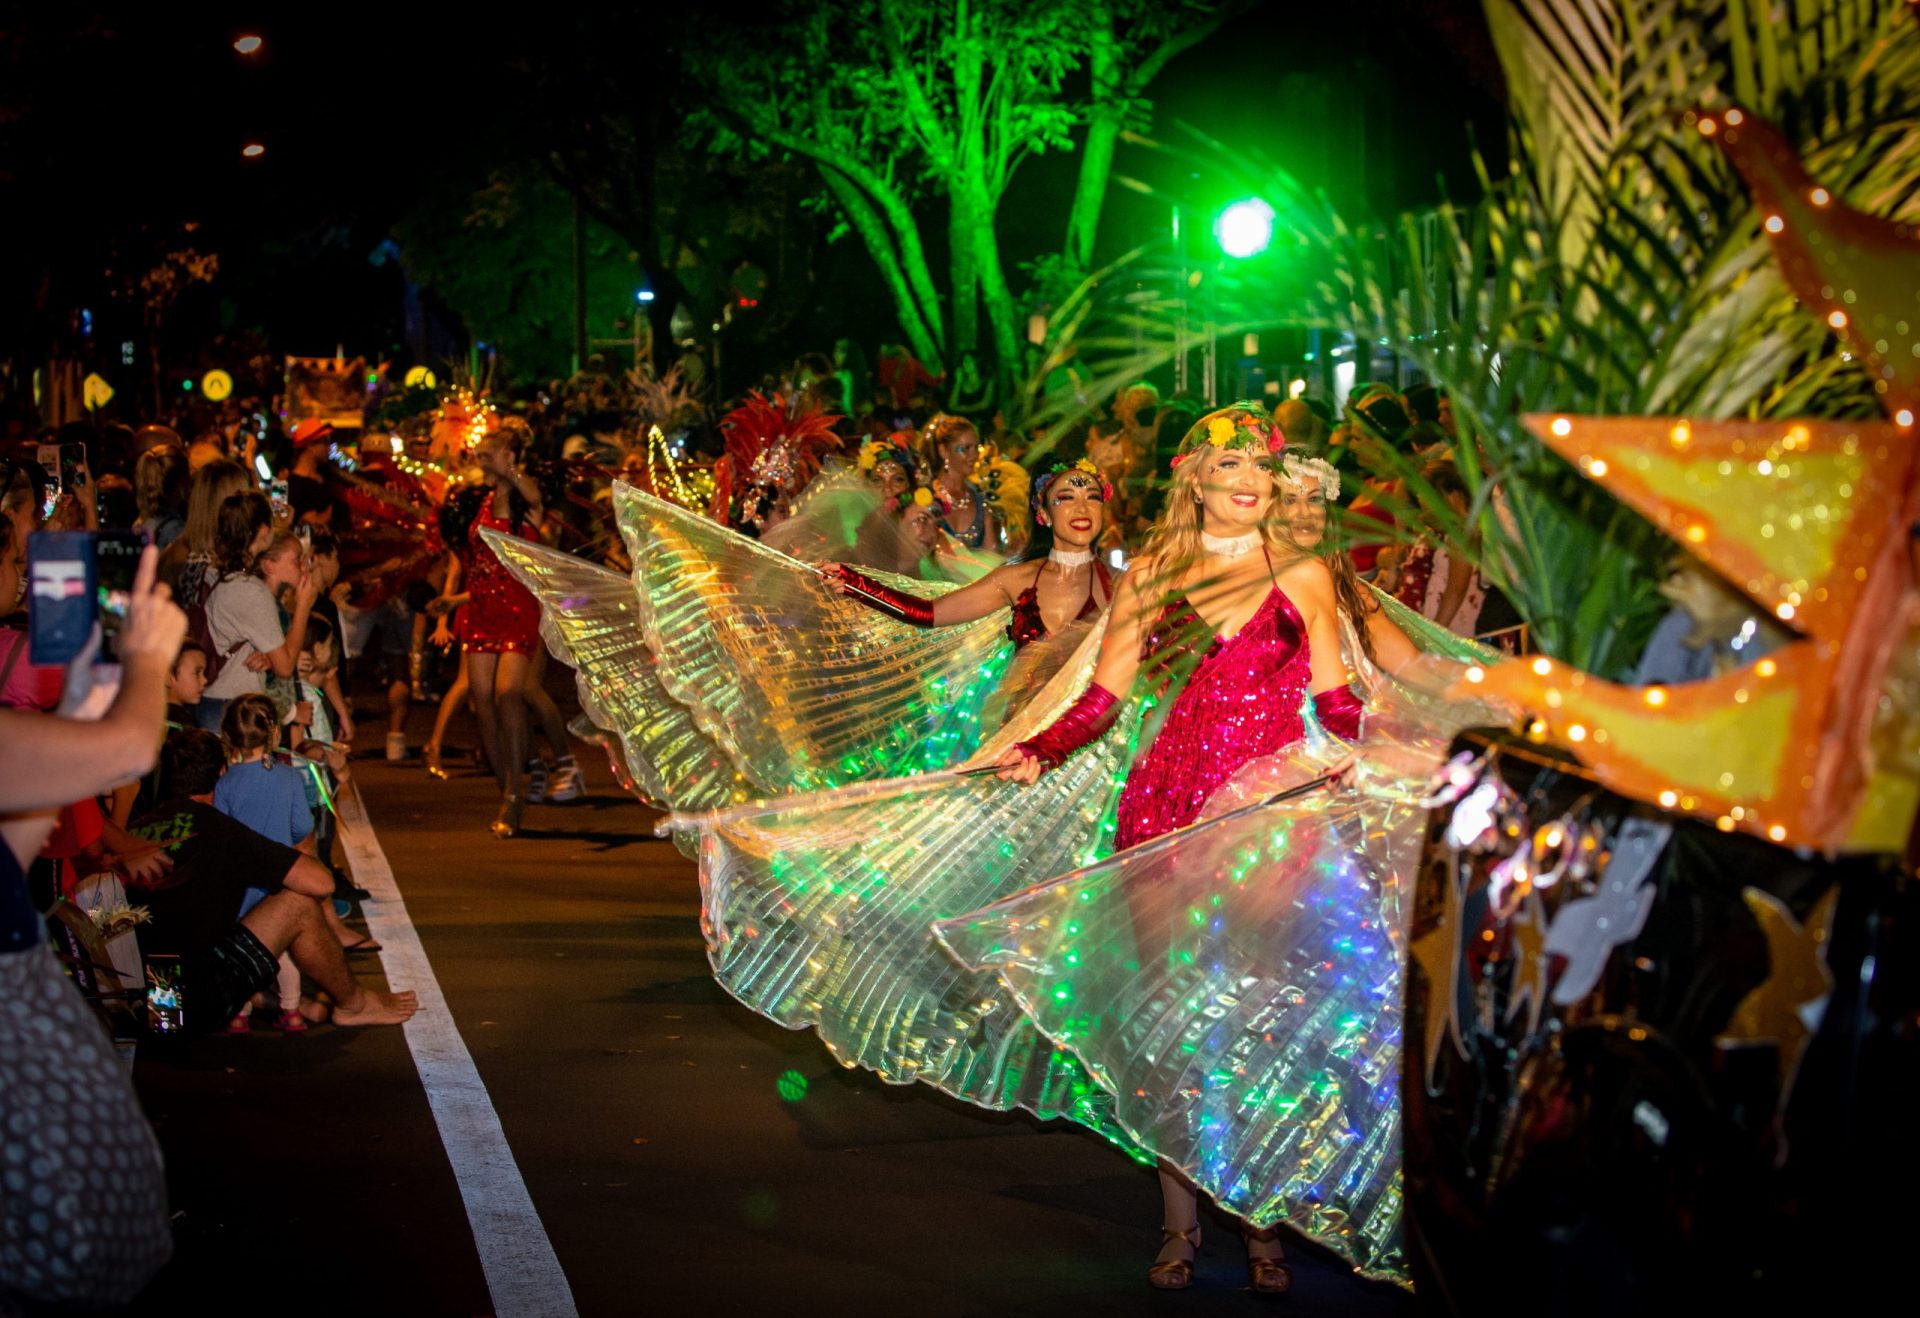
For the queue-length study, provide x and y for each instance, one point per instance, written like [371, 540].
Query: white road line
[522, 1271]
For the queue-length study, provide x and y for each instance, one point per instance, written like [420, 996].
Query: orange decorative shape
[1811, 520]
[1736, 742]
[1787, 511]
[1858, 272]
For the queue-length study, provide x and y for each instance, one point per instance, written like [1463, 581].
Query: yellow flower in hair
[923, 496]
[869, 456]
[1086, 465]
[1220, 431]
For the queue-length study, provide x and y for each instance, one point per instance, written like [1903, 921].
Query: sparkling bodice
[1026, 625]
[502, 615]
[1241, 701]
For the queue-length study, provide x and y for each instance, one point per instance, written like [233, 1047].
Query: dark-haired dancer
[501, 629]
[1054, 595]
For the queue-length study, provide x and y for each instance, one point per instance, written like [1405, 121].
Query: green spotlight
[1245, 228]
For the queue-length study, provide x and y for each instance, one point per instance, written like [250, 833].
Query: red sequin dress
[502, 614]
[1241, 701]
[1025, 625]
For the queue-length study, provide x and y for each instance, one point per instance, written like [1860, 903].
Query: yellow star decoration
[1785, 1009]
[1529, 956]
[1437, 953]
[1810, 519]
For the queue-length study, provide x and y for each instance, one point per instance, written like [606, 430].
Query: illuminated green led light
[1245, 228]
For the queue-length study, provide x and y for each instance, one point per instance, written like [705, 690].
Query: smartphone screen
[60, 595]
[73, 466]
[74, 578]
[48, 456]
[260, 465]
[277, 496]
[116, 563]
[166, 1009]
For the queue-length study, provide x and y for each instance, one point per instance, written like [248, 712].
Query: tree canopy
[906, 108]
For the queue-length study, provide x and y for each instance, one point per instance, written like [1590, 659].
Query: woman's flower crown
[1234, 427]
[1298, 467]
[891, 449]
[899, 503]
[1084, 466]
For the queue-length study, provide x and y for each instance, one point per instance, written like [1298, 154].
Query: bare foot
[315, 1011]
[377, 1008]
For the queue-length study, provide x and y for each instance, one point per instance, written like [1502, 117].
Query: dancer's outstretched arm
[1113, 675]
[969, 603]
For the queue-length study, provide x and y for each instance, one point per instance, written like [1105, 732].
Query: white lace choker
[1230, 546]
[1068, 558]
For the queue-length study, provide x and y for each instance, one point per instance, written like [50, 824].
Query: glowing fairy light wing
[818, 915]
[1234, 986]
[588, 617]
[1235, 989]
[805, 689]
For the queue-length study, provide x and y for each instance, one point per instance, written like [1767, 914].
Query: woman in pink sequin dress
[1227, 627]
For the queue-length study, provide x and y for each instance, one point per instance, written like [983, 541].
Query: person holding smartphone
[243, 620]
[94, 1241]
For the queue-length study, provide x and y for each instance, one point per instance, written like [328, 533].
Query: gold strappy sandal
[1175, 1274]
[1267, 1276]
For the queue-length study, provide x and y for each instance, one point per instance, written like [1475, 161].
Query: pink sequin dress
[503, 614]
[1241, 701]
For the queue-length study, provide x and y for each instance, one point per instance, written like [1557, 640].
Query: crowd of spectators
[190, 775]
[280, 567]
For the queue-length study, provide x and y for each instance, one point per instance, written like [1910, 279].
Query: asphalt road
[683, 1154]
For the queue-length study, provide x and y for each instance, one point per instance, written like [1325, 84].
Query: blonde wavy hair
[215, 483]
[943, 428]
[1173, 542]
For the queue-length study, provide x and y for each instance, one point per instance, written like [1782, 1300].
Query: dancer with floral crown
[818, 909]
[1053, 596]
[949, 449]
[1233, 984]
[1234, 628]
[727, 670]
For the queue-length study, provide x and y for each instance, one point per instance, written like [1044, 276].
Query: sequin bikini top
[1026, 625]
[975, 532]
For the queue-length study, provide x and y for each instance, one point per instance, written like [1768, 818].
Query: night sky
[118, 130]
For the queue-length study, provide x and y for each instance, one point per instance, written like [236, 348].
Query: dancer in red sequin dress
[1232, 627]
[500, 626]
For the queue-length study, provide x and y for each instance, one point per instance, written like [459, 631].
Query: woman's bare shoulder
[1306, 579]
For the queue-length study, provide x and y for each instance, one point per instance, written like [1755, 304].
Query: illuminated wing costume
[1234, 986]
[819, 912]
[728, 670]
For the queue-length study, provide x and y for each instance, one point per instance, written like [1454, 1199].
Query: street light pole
[579, 285]
[1210, 349]
[1180, 375]
[1243, 230]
